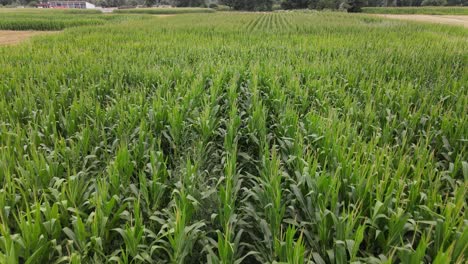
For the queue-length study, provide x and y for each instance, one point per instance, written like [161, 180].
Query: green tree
[327, 4]
[455, 2]
[353, 6]
[434, 2]
[264, 5]
[230, 3]
[189, 3]
[295, 4]
[249, 5]
[6, 2]
[150, 2]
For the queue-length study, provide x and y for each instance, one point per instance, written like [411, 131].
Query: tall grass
[46, 19]
[236, 138]
[48, 11]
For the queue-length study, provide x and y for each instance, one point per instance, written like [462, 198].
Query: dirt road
[441, 19]
[9, 37]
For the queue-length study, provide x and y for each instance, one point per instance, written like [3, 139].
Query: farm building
[67, 4]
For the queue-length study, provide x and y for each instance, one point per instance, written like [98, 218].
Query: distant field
[234, 138]
[417, 10]
[53, 19]
[34, 11]
[156, 11]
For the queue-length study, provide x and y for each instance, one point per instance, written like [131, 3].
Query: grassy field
[236, 138]
[164, 11]
[430, 10]
[52, 19]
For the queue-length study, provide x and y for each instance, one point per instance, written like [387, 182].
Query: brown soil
[441, 19]
[9, 37]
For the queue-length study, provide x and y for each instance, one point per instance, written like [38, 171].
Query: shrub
[32, 4]
[223, 8]
[434, 2]
[352, 6]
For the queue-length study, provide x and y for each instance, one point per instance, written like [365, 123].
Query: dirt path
[164, 15]
[441, 19]
[9, 37]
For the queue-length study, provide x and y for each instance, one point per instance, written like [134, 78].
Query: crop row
[270, 22]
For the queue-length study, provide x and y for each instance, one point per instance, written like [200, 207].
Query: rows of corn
[236, 138]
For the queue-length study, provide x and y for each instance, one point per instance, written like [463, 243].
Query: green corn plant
[122, 170]
[75, 190]
[417, 255]
[179, 230]
[75, 258]
[227, 215]
[207, 120]
[106, 215]
[293, 250]
[152, 191]
[9, 247]
[79, 237]
[176, 126]
[35, 244]
[229, 186]
[133, 236]
[51, 220]
[269, 209]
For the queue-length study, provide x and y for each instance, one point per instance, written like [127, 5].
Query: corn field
[164, 11]
[54, 20]
[235, 138]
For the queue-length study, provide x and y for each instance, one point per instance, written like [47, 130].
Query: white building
[69, 4]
